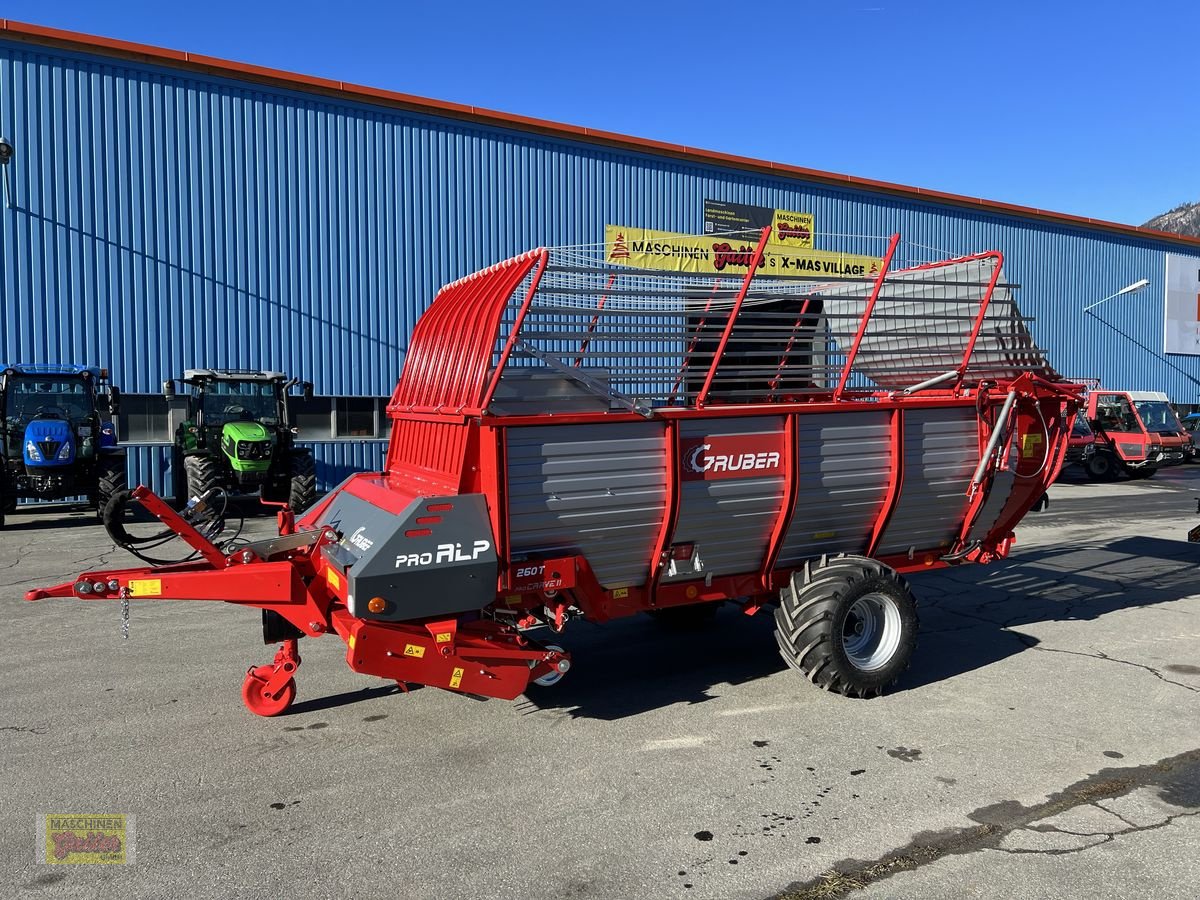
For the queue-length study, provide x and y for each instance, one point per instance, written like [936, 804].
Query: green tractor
[237, 437]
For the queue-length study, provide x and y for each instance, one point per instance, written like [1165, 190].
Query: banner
[644, 248]
[1181, 332]
[794, 229]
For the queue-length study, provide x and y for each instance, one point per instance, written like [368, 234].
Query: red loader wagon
[574, 438]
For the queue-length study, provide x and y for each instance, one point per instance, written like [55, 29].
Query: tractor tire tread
[201, 474]
[302, 483]
[812, 609]
[112, 479]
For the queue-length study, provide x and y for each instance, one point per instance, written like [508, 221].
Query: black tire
[201, 474]
[302, 486]
[693, 617]
[1141, 473]
[1101, 467]
[112, 478]
[848, 623]
[179, 478]
[8, 503]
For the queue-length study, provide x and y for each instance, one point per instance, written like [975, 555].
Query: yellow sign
[149, 587]
[792, 228]
[443, 637]
[334, 579]
[97, 839]
[456, 677]
[1030, 444]
[644, 248]
[414, 650]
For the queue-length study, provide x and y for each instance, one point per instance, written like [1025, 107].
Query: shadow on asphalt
[634, 665]
[333, 700]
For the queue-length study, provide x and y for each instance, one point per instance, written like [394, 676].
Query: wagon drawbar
[573, 437]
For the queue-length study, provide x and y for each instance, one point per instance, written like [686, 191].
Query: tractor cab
[237, 437]
[57, 437]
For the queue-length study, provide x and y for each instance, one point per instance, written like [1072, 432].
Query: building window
[313, 417]
[143, 419]
[356, 417]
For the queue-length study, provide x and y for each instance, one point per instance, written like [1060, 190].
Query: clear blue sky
[1090, 108]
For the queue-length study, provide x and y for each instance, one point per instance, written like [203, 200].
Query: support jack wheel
[554, 676]
[270, 690]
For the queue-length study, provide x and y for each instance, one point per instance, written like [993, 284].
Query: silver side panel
[1002, 487]
[844, 465]
[596, 489]
[729, 520]
[535, 391]
[941, 450]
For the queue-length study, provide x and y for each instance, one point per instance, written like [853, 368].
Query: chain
[124, 616]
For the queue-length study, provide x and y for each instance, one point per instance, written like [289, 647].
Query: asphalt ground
[1045, 743]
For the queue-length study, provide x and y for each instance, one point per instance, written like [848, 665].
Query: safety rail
[569, 330]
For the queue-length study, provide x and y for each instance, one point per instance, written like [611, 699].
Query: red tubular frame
[595, 319]
[733, 314]
[694, 341]
[774, 382]
[543, 259]
[866, 317]
[983, 308]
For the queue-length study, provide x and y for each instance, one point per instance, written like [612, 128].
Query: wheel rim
[262, 705]
[550, 678]
[871, 632]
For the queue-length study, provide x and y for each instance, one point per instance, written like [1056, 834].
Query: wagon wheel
[550, 678]
[261, 703]
[848, 623]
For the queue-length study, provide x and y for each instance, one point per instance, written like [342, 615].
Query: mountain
[1183, 219]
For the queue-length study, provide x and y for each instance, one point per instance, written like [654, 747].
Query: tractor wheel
[302, 488]
[112, 479]
[1140, 473]
[201, 474]
[693, 617]
[848, 623]
[1101, 467]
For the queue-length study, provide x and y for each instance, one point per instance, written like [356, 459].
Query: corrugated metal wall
[164, 220]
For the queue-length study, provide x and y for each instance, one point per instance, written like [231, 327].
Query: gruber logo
[732, 456]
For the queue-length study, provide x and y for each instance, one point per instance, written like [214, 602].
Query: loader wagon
[574, 437]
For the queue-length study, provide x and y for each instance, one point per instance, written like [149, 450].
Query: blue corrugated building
[166, 211]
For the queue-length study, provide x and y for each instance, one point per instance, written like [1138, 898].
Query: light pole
[1128, 289]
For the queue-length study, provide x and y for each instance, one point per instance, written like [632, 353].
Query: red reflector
[428, 520]
[418, 532]
[440, 507]
[682, 551]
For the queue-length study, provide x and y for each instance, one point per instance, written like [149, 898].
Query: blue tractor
[57, 435]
